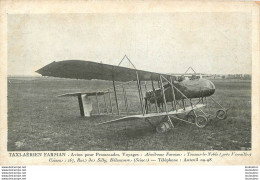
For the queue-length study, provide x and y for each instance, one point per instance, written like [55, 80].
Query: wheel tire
[163, 127]
[201, 121]
[190, 118]
[221, 114]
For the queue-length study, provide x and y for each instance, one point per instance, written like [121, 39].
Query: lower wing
[140, 116]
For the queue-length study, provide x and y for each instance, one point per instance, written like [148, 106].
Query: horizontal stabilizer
[140, 116]
[83, 93]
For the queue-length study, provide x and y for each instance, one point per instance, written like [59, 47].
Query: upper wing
[76, 69]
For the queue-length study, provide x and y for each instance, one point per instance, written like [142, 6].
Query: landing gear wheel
[221, 114]
[190, 118]
[201, 121]
[163, 127]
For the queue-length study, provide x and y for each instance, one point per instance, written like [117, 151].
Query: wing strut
[105, 101]
[140, 93]
[164, 99]
[165, 103]
[98, 104]
[173, 95]
[110, 102]
[117, 107]
[147, 105]
[125, 99]
[155, 98]
[139, 86]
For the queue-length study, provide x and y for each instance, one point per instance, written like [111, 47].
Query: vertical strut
[165, 103]
[164, 99]
[183, 103]
[173, 95]
[110, 102]
[105, 103]
[148, 106]
[145, 86]
[97, 104]
[117, 107]
[140, 94]
[142, 97]
[125, 99]
[146, 102]
[172, 104]
[155, 98]
[159, 86]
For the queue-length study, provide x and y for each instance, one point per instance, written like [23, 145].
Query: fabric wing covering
[83, 93]
[76, 69]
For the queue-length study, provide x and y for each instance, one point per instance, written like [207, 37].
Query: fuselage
[195, 88]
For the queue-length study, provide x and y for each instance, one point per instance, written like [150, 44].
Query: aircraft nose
[210, 87]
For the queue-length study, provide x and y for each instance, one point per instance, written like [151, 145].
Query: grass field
[40, 121]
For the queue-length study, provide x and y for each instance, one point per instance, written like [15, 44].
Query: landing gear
[191, 116]
[201, 121]
[221, 114]
[194, 115]
[164, 125]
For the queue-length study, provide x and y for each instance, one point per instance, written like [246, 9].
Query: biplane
[172, 96]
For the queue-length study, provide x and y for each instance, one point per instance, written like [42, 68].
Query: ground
[40, 121]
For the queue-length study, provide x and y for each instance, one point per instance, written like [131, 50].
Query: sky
[212, 43]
